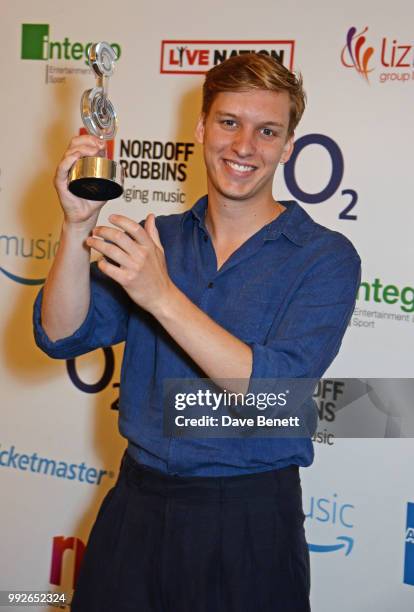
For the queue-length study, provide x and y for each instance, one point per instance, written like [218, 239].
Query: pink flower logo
[356, 54]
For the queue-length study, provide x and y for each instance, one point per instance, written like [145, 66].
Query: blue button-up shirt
[288, 292]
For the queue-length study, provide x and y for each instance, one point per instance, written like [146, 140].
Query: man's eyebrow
[228, 114]
[274, 124]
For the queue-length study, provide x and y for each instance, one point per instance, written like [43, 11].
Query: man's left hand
[142, 269]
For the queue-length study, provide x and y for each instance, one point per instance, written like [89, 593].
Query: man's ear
[288, 149]
[199, 130]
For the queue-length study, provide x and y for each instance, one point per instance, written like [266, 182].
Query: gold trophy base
[96, 178]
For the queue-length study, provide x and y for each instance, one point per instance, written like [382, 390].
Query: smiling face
[245, 136]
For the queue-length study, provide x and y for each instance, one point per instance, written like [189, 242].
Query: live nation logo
[198, 56]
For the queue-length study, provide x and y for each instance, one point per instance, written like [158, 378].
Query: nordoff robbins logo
[198, 56]
[36, 45]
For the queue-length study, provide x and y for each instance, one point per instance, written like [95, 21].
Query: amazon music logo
[329, 524]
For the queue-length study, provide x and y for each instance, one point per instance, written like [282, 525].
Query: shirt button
[205, 238]
[210, 285]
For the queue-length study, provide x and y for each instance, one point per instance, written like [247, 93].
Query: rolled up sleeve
[305, 339]
[105, 324]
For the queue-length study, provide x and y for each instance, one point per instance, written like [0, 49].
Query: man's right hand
[78, 210]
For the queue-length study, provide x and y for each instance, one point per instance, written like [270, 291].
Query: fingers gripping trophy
[98, 178]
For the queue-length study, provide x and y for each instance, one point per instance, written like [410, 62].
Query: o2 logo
[103, 381]
[334, 182]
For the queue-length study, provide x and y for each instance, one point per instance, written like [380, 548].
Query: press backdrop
[352, 171]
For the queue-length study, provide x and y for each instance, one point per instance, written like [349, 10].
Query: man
[240, 288]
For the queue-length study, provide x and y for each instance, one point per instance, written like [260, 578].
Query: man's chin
[236, 195]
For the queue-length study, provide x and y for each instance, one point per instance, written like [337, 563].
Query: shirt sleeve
[303, 342]
[105, 324]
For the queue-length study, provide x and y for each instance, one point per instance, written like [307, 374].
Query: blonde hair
[255, 71]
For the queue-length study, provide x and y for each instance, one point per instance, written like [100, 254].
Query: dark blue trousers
[168, 544]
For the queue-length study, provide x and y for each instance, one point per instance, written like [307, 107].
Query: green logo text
[36, 45]
[388, 294]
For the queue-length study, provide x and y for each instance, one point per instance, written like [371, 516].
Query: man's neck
[234, 221]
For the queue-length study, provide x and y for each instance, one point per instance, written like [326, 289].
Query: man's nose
[244, 142]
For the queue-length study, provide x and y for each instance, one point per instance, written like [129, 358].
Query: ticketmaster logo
[10, 458]
[36, 45]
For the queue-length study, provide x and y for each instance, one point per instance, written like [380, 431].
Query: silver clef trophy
[98, 178]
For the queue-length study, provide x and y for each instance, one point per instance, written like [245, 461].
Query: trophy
[98, 178]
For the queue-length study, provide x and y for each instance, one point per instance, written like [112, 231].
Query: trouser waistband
[245, 486]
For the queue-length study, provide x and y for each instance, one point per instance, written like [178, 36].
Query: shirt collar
[294, 222]
[198, 212]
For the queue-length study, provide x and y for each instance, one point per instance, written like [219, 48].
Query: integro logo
[377, 293]
[198, 56]
[390, 56]
[36, 45]
[409, 546]
[330, 521]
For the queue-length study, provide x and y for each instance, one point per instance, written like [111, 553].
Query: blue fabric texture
[288, 291]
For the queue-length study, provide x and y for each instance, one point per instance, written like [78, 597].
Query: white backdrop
[359, 111]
